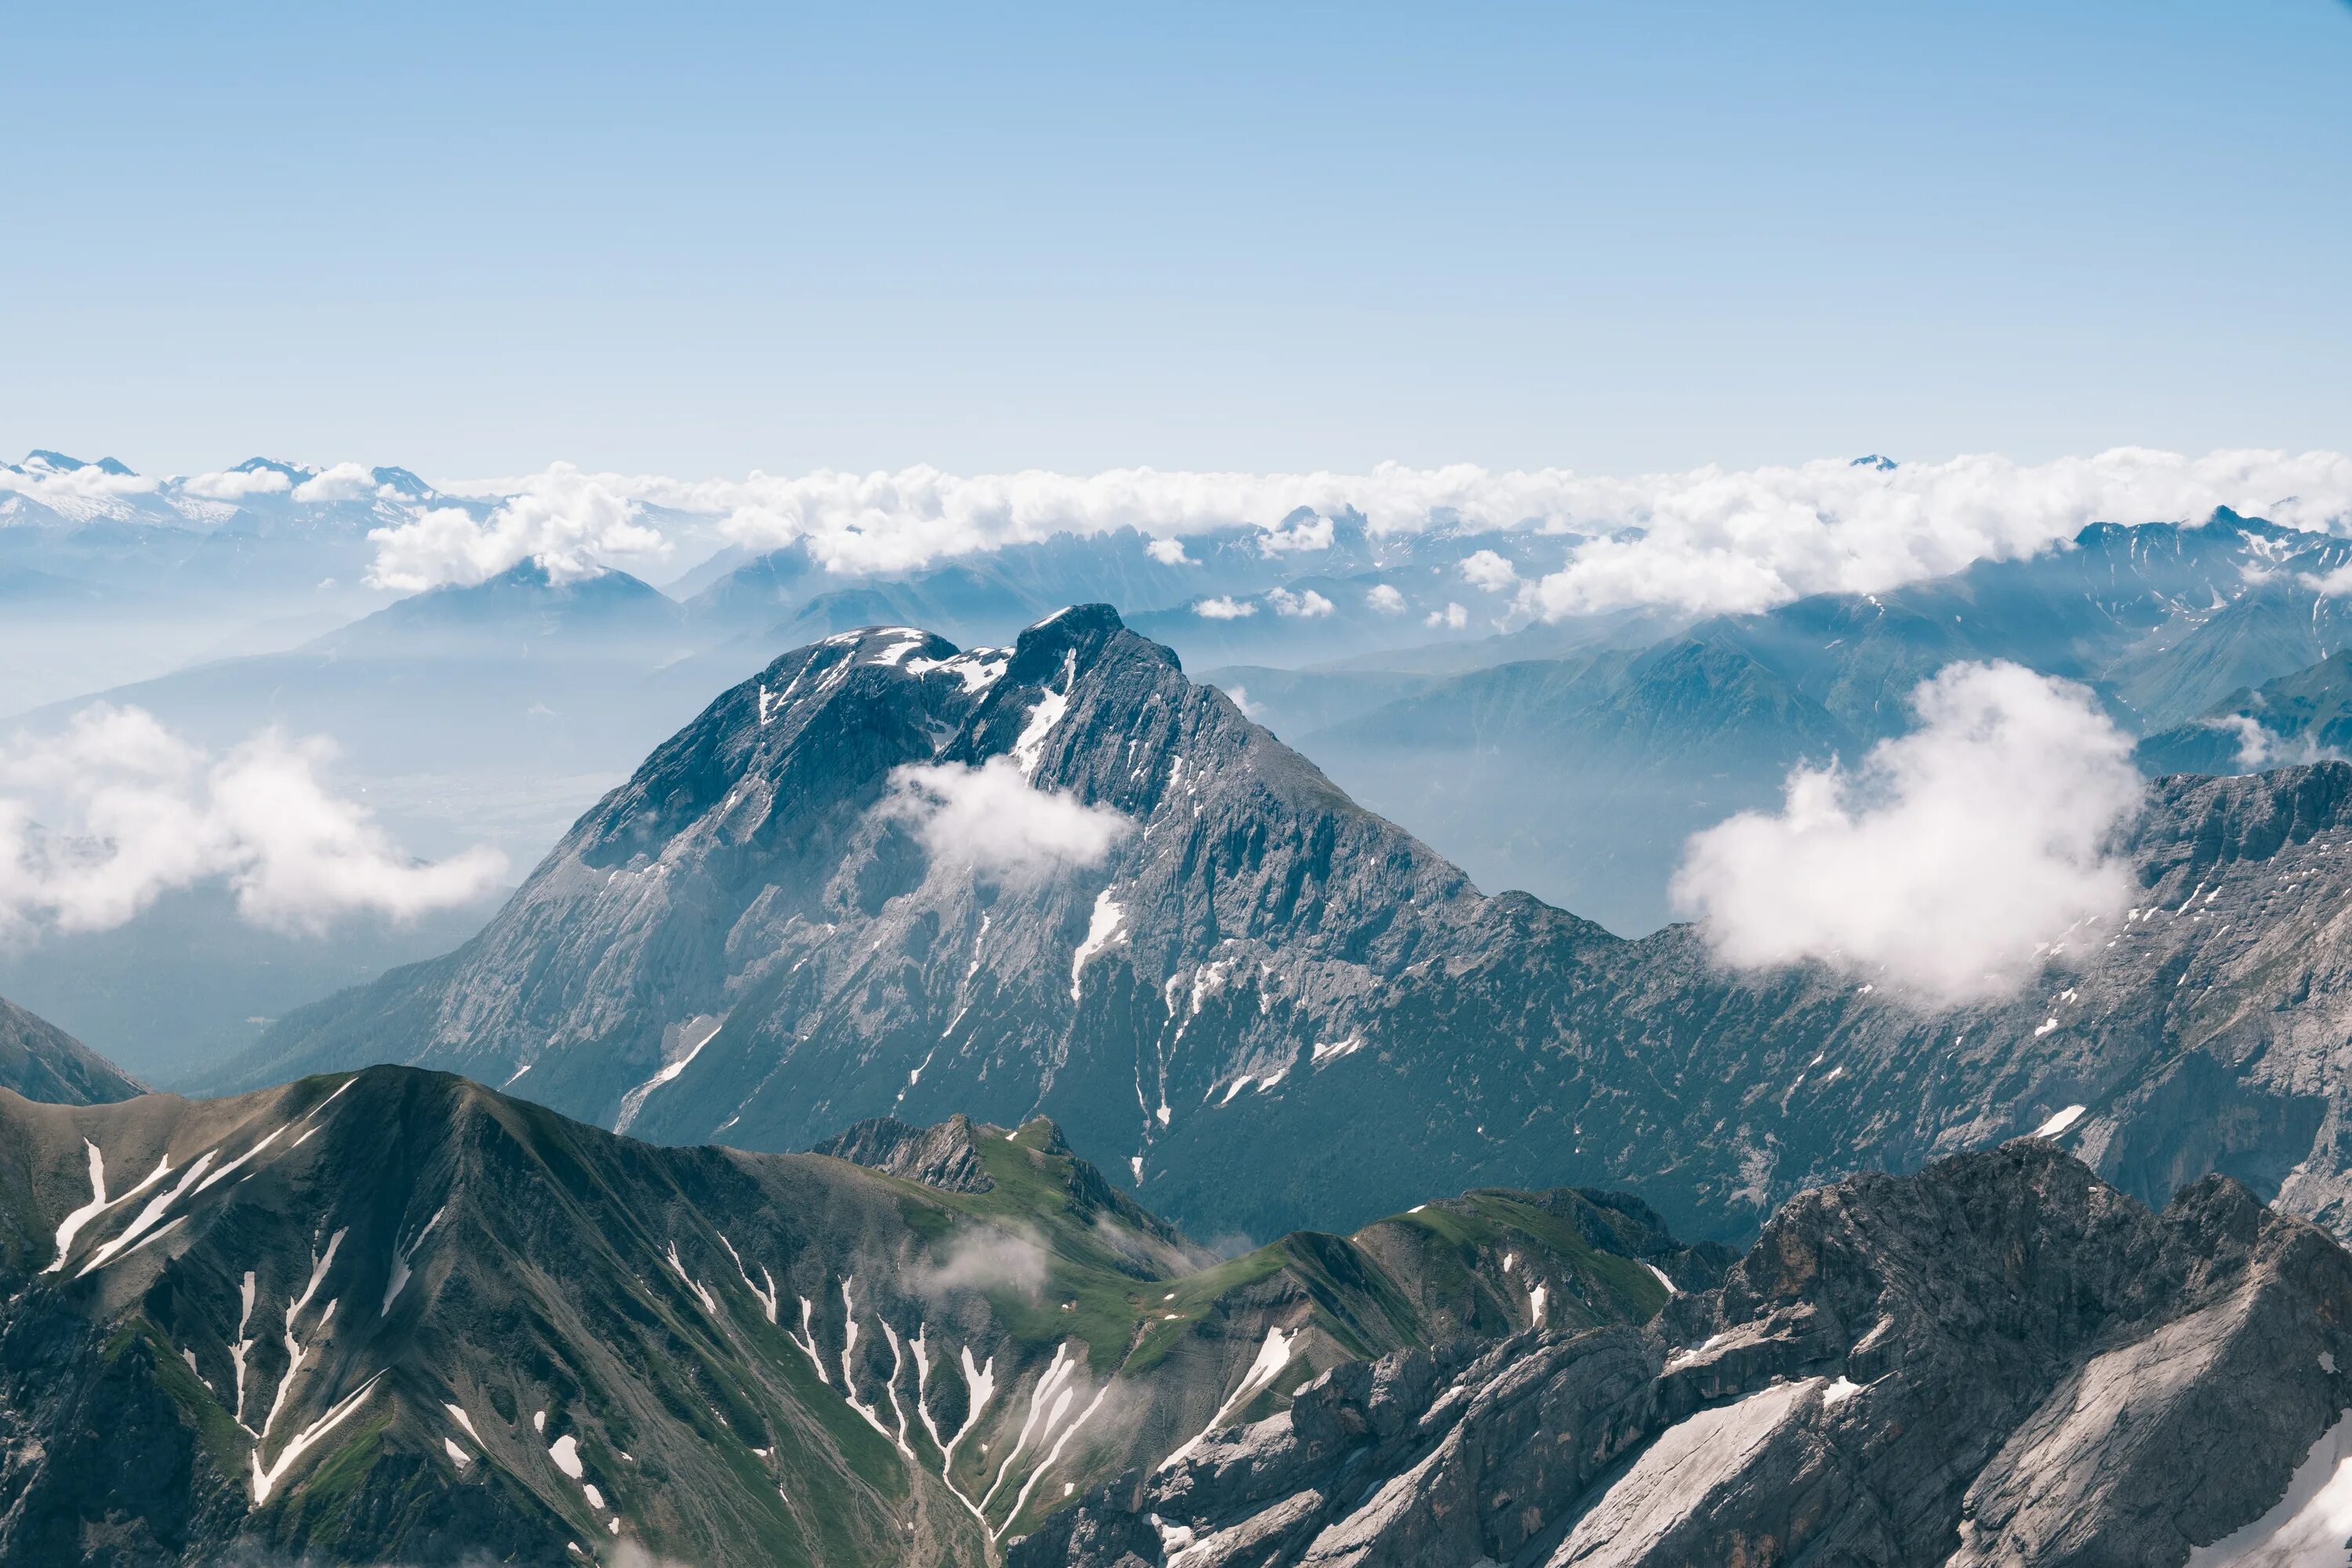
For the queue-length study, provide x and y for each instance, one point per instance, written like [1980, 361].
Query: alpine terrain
[1264, 1008]
[398, 1317]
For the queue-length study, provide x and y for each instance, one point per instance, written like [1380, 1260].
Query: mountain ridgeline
[1997, 1361]
[396, 1317]
[41, 1061]
[1265, 1007]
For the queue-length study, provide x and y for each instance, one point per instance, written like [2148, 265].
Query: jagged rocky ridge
[1269, 1007]
[2000, 1360]
[396, 1316]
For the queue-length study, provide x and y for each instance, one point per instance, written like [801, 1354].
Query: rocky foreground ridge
[397, 1317]
[2000, 1360]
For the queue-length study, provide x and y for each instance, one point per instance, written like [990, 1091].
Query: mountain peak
[1076, 630]
[401, 482]
[293, 473]
[946, 1156]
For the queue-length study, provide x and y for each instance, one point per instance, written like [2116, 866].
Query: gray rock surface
[1266, 1007]
[1998, 1360]
[41, 1061]
[946, 1156]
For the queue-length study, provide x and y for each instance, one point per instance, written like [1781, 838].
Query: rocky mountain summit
[396, 1316]
[1262, 1007]
[1998, 1361]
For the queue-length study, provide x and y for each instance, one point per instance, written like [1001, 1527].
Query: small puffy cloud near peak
[1224, 608]
[344, 481]
[572, 524]
[1452, 619]
[2333, 583]
[236, 484]
[1489, 570]
[1315, 533]
[994, 820]
[1168, 553]
[1304, 604]
[1950, 861]
[1384, 598]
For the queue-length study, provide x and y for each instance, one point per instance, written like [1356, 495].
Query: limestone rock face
[2000, 1360]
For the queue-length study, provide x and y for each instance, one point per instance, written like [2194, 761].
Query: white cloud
[1706, 540]
[1703, 539]
[1223, 608]
[77, 493]
[2335, 584]
[97, 822]
[572, 524]
[1385, 598]
[1015, 1260]
[1489, 570]
[1453, 617]
[1307, 606]
[344, 481]
[1315, 533]
[2261, 749]
[236, 484]
[1713, 540]
[1168, 553]
[994, 819]
[1950, 859]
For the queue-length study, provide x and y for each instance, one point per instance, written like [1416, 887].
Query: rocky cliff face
[2000, 1360]
[397, 1317]
[41, 1061]
[1265, 1006]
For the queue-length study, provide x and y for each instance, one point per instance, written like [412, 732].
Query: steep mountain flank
[1266, 1006]
[2000, 1360]
[41, 1061]
[396, 1316]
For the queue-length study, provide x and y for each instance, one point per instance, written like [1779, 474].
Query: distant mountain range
[1579, 777]
[1268, 1007]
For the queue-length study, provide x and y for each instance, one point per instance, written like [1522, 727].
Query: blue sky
[704, 239]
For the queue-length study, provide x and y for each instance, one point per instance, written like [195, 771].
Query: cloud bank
[97, 822]
[1949, 860]
[1705, 540]
[992, 819]
[1702, 541]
